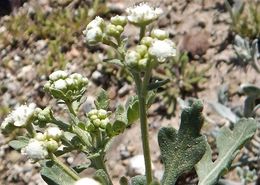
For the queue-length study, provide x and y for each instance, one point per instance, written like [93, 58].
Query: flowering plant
[49, 137]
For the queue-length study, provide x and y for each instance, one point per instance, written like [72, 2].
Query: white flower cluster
[42, 143]
[87, 181]
[19, 117]
[94, 31]
[98, 119]
[35, 150]
[142, 14]
[158, 46]
[61, 82]
[97, 30]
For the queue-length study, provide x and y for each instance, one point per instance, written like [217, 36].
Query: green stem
[142, 33]
[82, 136]
[141, 88]
[100, 164]
[72, 111]
[64, 167]
[30, 129]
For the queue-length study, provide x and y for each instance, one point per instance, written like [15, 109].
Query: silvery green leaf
[182, 149]
[102, 101]
[229, 142]
[54, 175]
[250, 90]
[20, 143]
[224, 112]
[138, 180]
[102, 177]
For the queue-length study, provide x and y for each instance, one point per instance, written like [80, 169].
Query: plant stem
[64, 167]
[141, 88]
[72, 111]
[142, 33]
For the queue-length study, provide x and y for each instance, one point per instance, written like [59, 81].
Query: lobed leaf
[183, 149]
[228, 144]
[102, 101]
[20, 143]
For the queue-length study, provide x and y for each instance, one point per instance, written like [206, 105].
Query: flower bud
[58, 75]
[102, 114]
[40, 136]
[93, 36]
[119, 20]
[44, 115]
[54, 133]
[104, 123]
[141, 50]
[52, 145]
[132, 58]
[147, 41]
[97, 122]
[160, 34]
[60, 84]
[142, 63]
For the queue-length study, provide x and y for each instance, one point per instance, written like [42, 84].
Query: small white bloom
[76, 76]
[22, 114]
[87, 181]
[53, 132]
[69, 81]
[102, 114]
[162, 49]
[97, 22]
[35, 150]
[58, 75]
[60, 84]
[93, 36]
[143, 14]
[132, 58]
[160, 34]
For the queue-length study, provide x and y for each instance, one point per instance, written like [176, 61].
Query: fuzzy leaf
[138, 180]
[20, 143]
[224, 112]
[102, 177]
[132, 108]
[121, 120]
[183, 149]
[228, 144]
[54, 175]
[102, 101]
[157, 84]
[250, 90]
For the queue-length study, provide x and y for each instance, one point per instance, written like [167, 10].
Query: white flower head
[8, 121]
[53, 132]
[58, 75]
[60, 84]
[93, 36]
[35, 150]
[22, 114]
[87, 181]
[143, 14]
[132, 58]
[162, 49]
[97, 22]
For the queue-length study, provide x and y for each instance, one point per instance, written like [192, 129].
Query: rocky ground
[200, 27]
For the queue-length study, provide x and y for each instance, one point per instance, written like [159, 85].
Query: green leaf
[114, 61]
[132, 109]
[54, 175]
[138, 180]
[158, 84]
[183, 149]
[102, 101]
[102, 177]
[81, 167]
[228, 144]
[224, 111]
[121, 120]
[20, 143]
[250, 90]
